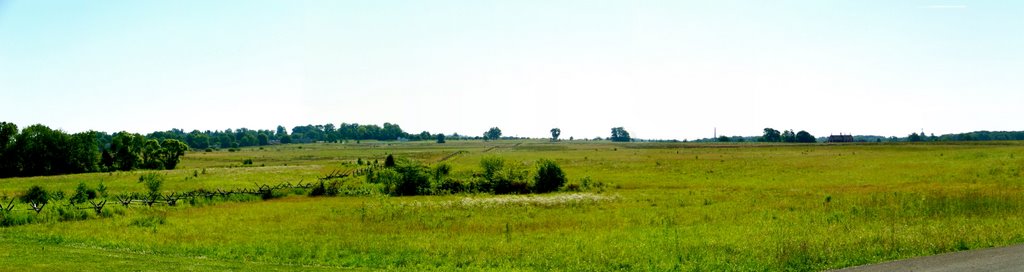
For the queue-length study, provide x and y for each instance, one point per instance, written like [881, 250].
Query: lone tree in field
[492, 134]
[554, 134]
[619, 134]
[440, 138]
[389, 161]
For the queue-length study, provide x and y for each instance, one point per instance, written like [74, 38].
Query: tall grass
[666, 207]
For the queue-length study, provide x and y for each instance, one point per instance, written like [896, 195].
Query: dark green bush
[318, 190]
[414, 180]
[452, 186]
[404, 179]
[35, 194]
[511, 180]
[549, 177]
[153, 182]
[499, 177]
[82, 194]
[491, 166]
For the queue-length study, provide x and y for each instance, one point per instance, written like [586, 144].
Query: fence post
[98, 206]
[10, 206]
[38, 207]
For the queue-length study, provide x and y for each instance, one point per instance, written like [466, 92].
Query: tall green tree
[555, 132]
[7, 133]
[126, 150]
[224, 141]
[281, 132]
[914, 137]
[171, 152]
[198, 140]
[8, 156]
[771, 135]
[619, 134]
[789, 136]
[492, 134]
[42, 151]
[151, 155]
[805, 137]
[263, 139]
[84, 152]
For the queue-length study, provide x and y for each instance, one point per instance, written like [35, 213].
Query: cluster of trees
[227, 138]
[128, 151]
[345, 131]
[982, 136]
[967, 136]
[497, 176]
[40, 150]
[774, 136]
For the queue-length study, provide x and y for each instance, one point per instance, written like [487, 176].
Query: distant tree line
[983, 136]
[774, 136]
[243, 137]
[967, 136]
[40, 150]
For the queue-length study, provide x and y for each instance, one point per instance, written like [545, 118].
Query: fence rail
[172, 199]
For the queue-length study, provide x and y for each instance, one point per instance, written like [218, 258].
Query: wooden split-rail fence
[452, 155]
[172, 199]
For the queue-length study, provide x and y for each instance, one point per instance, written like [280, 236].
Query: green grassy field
[666, 207]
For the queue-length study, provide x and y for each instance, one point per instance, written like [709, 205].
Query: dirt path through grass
[1010, 258]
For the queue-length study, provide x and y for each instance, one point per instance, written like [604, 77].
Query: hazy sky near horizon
[661, 69]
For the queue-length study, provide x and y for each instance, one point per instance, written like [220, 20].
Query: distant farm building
[840, 138]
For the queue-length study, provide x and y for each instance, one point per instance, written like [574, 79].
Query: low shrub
[70, 213]
[510, 180]
[82, 194]
[318, 190]
[35, 194]
[549, 177]
[8, 219]
[149, 221]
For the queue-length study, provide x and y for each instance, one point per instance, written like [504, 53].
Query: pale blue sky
[662, 69]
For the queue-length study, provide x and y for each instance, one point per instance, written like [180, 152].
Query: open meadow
[634, 206]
